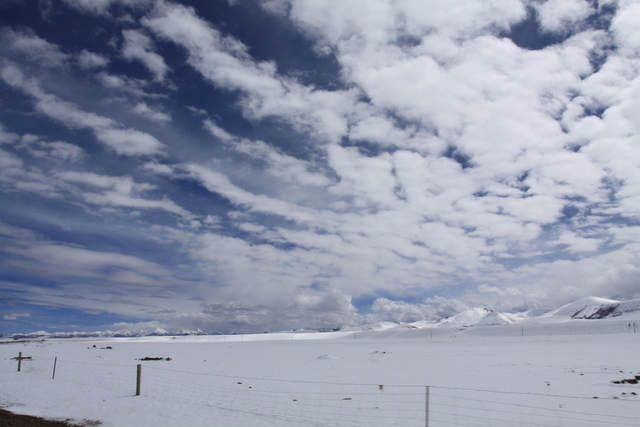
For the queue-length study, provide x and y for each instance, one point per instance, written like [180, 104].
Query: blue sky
[242, 166]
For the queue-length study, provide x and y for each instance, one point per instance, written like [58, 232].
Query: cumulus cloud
[626, 28]
[562, 15]
[307, 309]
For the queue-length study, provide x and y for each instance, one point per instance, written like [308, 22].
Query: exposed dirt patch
[9, 419]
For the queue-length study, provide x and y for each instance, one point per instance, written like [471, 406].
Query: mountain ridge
[583, 309]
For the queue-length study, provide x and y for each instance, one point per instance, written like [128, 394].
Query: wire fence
[346, 405]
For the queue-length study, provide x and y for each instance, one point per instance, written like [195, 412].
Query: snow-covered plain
[558, 374]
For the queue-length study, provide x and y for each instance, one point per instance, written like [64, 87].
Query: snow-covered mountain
[124, 333]
[595, 308]
[587, 308]
[468, 317]
[496, 318]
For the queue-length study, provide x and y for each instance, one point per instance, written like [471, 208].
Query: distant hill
[597, 308]
[587, 308]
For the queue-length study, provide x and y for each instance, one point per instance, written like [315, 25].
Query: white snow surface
[466, 318]
[495, 318]
[520, 374]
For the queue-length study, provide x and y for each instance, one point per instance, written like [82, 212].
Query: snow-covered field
[524, 375]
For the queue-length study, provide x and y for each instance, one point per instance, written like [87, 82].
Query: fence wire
[343, 404]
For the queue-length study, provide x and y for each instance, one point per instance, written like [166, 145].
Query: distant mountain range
[588, 308]
[103, 334]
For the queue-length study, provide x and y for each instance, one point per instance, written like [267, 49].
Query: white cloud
[27, 43]
[370, 178]
[11, 166]
[137, 46]
[290, 170]
[576, 243]
[379, 130]
[7, 137]
[407, 217]
[59, 150]
[65, 151]
[224, 61]
[626, 27]
[91, 280]
[219, 183]
[385, 309]
[90, 60]
[562, 15]
[102, 7]
[15, 316]
[63, 260]
[218, 132]
[456, 163]
[158, 168]
[138, 326]
[145, 111]
[17, 176]
[129, 142]
[120, 192]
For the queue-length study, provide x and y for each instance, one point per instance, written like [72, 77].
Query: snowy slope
[466, 318]
[586, 308]
[627, 309]
[495, 318]
[287, 380]
[595, 308]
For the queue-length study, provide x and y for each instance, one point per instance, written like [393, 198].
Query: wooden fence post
[426, 408]
[19, 359]
[138, 379]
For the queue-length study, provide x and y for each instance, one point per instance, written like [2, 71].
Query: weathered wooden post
[55, 362]
[426, 408]
[138, 379]
[19, 359]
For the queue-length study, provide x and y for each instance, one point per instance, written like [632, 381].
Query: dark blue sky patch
[458, 156]
[270, 37]
[527, 34]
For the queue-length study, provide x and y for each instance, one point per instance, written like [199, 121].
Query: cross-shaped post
[20, 358]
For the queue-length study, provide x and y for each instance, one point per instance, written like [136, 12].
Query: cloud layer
[182, 171]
